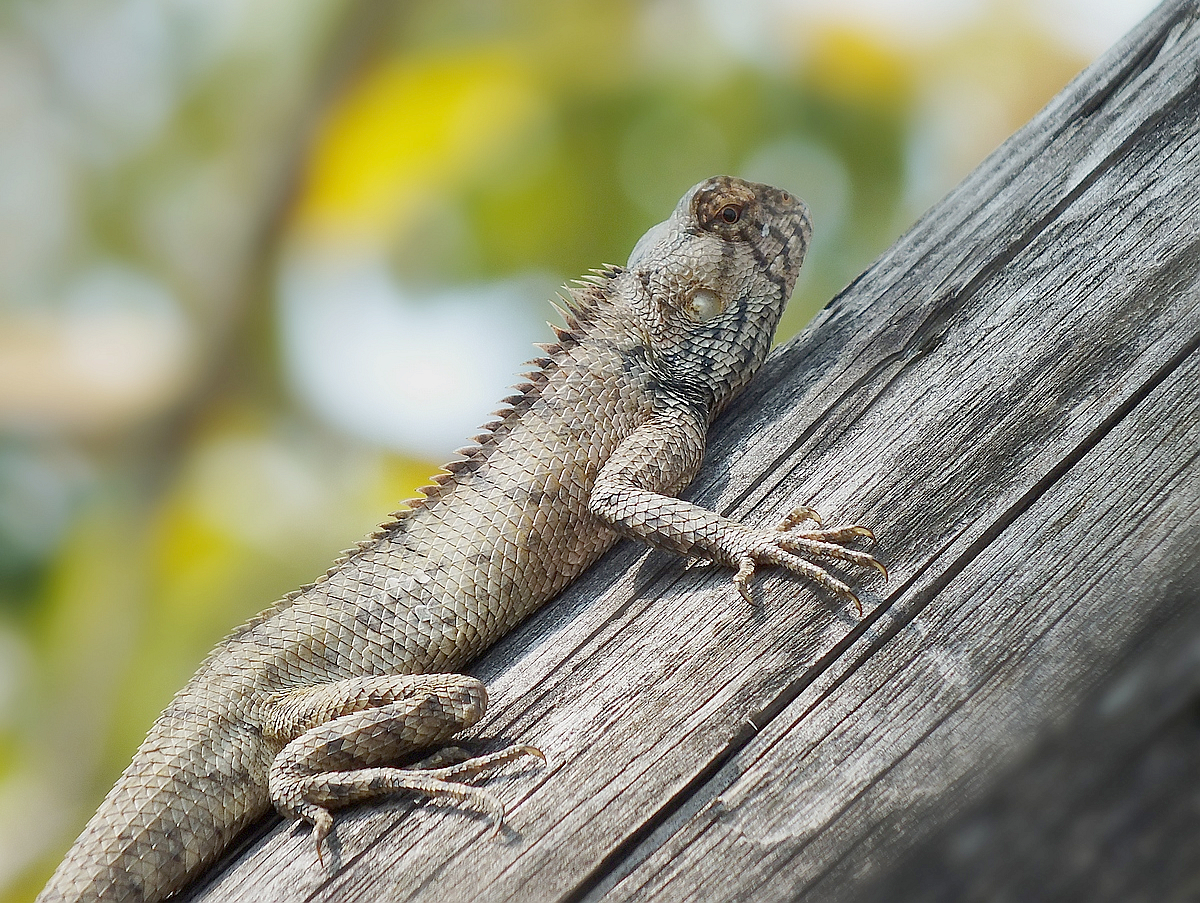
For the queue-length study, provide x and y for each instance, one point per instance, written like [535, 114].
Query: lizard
[326, 698]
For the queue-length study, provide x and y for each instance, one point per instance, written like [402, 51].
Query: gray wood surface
[1010, 397]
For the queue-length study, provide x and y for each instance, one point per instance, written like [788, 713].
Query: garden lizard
[327, 697]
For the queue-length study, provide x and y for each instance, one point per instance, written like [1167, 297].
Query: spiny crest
[581, 303]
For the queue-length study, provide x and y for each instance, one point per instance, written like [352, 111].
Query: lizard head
[707, 287]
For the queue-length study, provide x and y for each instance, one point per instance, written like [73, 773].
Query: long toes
[852, 531]
[835, 534]
[805, 568]
[476, 798]
[446, 757]
[487, 803]
[797, 516]
[819, 548]
[436, 788]
[831, 550]
[862, 559]
[480, 764]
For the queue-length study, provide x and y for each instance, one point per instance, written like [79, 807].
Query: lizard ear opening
[704, 304]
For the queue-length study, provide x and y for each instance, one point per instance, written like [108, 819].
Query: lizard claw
[322, 822]
[742, 578]
[858, 609]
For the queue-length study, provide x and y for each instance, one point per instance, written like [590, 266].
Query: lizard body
[310, 705]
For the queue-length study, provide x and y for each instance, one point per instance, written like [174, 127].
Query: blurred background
[265, 263]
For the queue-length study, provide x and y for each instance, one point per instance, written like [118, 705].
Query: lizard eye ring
[730, 213]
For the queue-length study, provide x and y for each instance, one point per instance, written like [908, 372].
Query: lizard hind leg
[341, 741]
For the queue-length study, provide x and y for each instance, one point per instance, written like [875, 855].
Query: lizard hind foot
[342, 740]
[320, 793]
[311, 797]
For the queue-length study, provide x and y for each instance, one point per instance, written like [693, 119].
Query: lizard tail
[159, 826]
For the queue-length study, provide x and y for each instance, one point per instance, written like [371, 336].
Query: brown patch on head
[736, 210]
[723, 205]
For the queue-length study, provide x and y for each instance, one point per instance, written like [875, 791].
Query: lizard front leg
[341, 741]
[634, 494]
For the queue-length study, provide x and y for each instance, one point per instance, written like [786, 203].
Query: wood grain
[1010, 397]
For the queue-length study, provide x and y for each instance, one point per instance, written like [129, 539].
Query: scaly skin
[311, 704]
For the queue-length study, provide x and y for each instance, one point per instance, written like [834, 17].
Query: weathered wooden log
[1010, 397]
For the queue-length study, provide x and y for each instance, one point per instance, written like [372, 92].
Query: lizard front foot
[791, 548]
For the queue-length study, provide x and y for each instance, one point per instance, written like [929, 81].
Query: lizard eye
[730, 213]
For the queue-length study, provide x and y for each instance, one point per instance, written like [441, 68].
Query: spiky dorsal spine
[582, 304]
